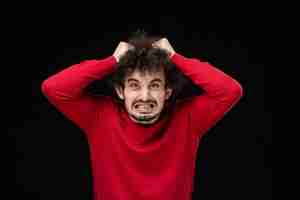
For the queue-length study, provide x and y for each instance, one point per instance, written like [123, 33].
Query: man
[141, 147]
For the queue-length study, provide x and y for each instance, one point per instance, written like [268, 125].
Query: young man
[141, 147]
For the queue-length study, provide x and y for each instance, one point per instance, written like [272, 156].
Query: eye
[155, 85]
[133, 85]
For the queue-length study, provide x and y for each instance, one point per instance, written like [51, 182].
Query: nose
[145, 94]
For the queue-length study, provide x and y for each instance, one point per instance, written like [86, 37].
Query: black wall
[50, 154]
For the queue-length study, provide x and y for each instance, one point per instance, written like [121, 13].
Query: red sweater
[133, 162]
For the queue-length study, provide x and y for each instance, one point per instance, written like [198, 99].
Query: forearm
[212, 80]
[70, 82]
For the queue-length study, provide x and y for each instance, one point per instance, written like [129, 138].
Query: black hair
[144, 58]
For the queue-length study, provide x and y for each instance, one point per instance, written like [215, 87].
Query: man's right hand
[121, 49]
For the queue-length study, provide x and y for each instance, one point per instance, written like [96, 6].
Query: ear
[168, 93]
[120, 92]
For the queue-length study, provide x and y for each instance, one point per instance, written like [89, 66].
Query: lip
[144, 111]
[143, 108]
[139, 105]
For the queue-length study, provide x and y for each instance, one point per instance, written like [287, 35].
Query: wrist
[116, 58]
[172, 53]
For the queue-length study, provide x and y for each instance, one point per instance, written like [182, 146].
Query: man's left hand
[165, 45]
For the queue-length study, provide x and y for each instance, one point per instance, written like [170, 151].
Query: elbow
[232, 90]
[46, 87]
[236, 90]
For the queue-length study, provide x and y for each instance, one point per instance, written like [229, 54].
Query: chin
[146, 123]
[144, 119]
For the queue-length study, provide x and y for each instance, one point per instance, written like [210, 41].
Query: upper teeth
[144, 106]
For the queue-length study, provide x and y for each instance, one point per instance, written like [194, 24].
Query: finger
[130, 47]
[155, 45]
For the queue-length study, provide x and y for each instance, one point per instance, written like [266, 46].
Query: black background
[50, 154]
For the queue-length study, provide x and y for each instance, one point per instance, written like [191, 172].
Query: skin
[144, 95]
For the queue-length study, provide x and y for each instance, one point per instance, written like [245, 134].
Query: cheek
[129, 97]
[160, 98]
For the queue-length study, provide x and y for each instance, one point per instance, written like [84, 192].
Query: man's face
[144, 96]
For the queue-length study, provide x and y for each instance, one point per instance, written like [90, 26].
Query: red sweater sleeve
[221, 92]
[65, 90]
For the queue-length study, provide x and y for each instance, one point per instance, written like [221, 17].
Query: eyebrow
[132, 79]
[157, 79]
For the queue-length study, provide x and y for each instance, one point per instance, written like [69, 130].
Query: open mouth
[144, 108]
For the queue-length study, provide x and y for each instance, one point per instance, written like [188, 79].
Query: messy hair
[146, 59]
[143, 58]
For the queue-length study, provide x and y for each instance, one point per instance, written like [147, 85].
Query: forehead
[146, 76]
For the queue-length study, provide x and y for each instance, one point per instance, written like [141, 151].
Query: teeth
[144, 107]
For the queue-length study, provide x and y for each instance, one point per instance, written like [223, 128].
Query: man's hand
[165, 45]
[121, 49]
